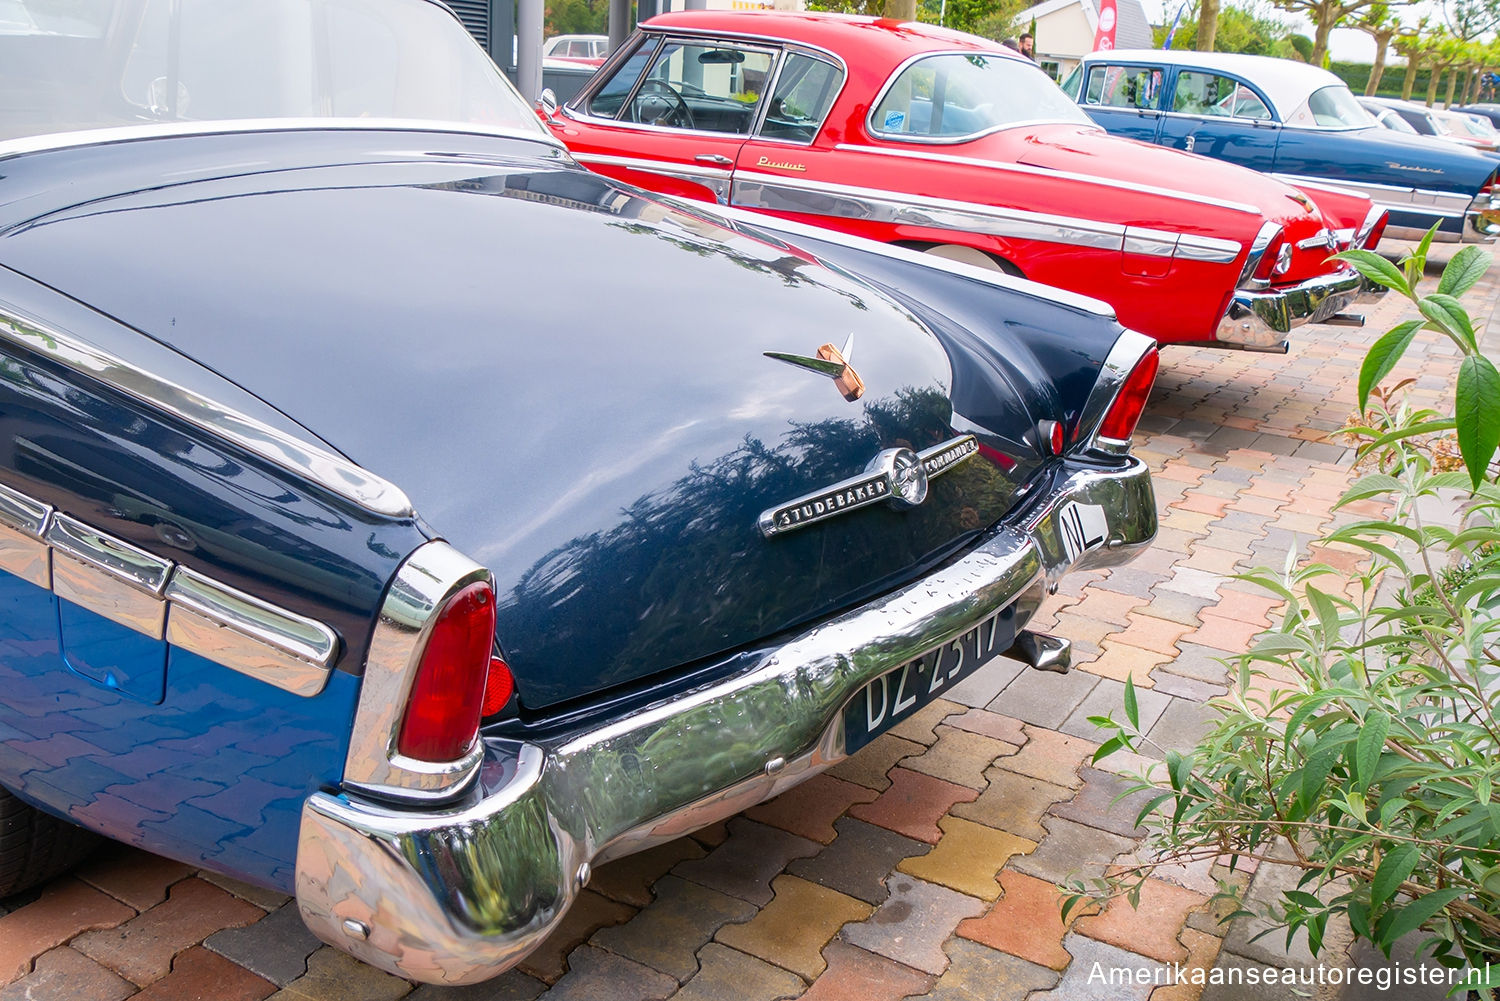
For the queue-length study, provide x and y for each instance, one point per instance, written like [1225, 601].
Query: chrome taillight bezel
[423, 585]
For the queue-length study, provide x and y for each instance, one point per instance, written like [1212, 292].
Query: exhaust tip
[1346, 320]
[1042, 651]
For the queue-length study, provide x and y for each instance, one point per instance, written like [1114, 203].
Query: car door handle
[717, 159]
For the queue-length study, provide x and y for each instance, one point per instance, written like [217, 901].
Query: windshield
[959, 96]
[80, 64]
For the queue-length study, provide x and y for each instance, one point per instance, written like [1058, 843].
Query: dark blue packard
[394, 513]
[1295, 121]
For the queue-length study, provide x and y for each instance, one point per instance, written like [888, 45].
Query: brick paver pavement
[926, 865]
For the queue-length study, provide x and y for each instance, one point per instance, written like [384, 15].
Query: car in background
[1387, 117]
[956, 146]
[1478, 128]
[1450, 126]
[587, 49]
[1295, 122]
[1489, 111]
[347, 559]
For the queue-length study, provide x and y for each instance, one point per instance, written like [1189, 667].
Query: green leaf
[1448, 315]
[1107, 748]
[1377, 269]
[1463, 270]
[1419, 256]
[1150, 807]
[1477, 408]
[1316, 773]
[1415, 913]
[1383, 356]
[1392, 872]
[1132, 709]
[1371, 742]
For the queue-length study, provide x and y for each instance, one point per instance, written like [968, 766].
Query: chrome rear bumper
[458, 893]
[1262, 319]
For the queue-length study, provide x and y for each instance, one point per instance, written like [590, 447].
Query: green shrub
[1360, 741]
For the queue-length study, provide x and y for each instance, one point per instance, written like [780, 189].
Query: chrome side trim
[1208, 248]
[1126, 353]
[456, 894]
[164, 130]
[746, 221]
[248, 635]
[108, 576]
[23, 552]
[1447, 203]
[429, 577]
[1150, 242]
[1021, 168]
[157, 598]
[1268, 233]
[717, 181]
[783, 194]
[1417, 233]
[301, 458]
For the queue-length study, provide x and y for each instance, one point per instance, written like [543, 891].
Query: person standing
[1027, 46]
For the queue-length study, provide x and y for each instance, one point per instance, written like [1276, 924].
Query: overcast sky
[1344, 44]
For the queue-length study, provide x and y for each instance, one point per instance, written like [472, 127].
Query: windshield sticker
[894, 120]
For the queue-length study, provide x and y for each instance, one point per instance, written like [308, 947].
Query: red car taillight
[1373, 240]
[448, 692]
[1125, 412]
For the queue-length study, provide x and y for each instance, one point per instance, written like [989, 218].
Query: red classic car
[949, 143]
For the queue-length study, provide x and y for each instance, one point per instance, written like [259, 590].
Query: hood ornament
[831, 362]
[898, 476]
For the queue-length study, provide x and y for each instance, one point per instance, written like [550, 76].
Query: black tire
[35, 846]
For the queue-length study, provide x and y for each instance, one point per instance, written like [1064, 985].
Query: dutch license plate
[898, 694]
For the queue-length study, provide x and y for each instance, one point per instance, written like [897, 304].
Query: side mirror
[547, 101]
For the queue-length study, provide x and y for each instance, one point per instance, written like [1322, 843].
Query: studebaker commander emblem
[898, 476]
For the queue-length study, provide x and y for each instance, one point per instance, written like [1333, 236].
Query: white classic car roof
[1286, 82]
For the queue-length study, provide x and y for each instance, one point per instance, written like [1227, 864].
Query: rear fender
[1047, 344]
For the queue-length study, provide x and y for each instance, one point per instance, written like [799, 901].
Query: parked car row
[397, 514]
[953, 145]
[1296, 122]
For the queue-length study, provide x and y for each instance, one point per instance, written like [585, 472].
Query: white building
[1065, 31]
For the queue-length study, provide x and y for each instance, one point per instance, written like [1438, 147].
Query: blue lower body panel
[212, 771]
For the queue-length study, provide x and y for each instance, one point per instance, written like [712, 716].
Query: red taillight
[1373, 240]
[1119, 424]
[499, 686]
[442, 713]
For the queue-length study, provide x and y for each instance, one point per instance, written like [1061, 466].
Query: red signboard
[1104, 37]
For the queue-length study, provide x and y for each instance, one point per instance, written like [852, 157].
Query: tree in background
[1441, 54]
[1415, 47]
[1468, 19]
[1325, 16]
[1208, 25]
[990, 18]
[1302, 45]
[1240, 29]
[576, 17]
[1381, 24]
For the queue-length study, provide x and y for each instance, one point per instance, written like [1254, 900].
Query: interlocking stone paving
[925, 866]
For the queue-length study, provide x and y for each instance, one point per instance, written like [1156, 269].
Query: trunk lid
[603, 436]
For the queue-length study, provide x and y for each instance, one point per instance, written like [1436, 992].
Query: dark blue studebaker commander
[1292, 120]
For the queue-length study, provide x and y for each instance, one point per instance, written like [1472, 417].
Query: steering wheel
[673, 110]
